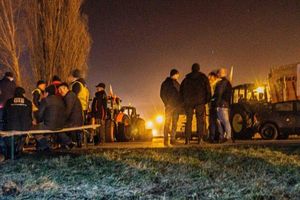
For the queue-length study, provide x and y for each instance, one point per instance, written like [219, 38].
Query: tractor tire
[109, 131]
[269, 131]
[241, 123]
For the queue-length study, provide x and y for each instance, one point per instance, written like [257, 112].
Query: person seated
[18, 117]
[51, 116]
[74, 113]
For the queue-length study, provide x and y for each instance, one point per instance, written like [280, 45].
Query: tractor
[123, 124]
[271, 110]
[253, 112]
[247, 100]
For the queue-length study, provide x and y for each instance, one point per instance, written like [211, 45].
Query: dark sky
[137, 42]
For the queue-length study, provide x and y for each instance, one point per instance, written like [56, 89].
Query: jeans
[223, 121]
[171, 117]
[200, 114]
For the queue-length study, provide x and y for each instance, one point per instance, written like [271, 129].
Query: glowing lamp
[260, 89]
[159, 119]
[149, 125]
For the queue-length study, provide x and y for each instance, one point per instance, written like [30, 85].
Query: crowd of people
[195, 92]
[54, 106]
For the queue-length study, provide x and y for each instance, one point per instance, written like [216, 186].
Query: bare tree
[57, 37]
[9, 47]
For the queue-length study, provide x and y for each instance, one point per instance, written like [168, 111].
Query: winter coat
[52, 112]
[18, 114]
[222, 94]
[99, 105]
[7, 90]
[76, 86]
[195, 89]
[79, 87]
[74, 113]
[169, 92]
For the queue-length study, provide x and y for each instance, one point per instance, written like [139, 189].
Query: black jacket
[222, 94]
[18, 114]
[52, 112]
[99, 105]
[169, 92]
[195, 89]
[7, 90]
[74, 113]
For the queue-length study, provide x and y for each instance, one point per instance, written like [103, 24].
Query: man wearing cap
[169, 93]
[196, 92]
[37, 96]
[99, 108]
[7, 90]
[73, 110]
[17, 116]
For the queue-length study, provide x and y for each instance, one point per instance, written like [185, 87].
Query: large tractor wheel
[109, 131]
[269, 131]
[241, 123]
[123, 133]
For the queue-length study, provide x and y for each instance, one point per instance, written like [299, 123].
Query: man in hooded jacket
[169, 93]
[196, 92]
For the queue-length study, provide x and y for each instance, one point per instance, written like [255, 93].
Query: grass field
[165, 173]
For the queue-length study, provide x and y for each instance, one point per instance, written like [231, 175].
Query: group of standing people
[195, 92]
[54, 106]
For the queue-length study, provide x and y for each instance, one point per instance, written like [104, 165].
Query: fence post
[12, 148]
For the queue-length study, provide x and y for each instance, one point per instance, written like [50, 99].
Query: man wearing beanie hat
[169, 93]
[17, 116]
[195, 91]
[7, 89]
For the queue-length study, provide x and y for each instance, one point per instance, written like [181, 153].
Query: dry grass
[181, 173]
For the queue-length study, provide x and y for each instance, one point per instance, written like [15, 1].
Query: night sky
[136, 43]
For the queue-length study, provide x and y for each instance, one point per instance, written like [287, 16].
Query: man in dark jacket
[17, 116]
[51, 116]
[169, 93]
[74, 113]
[195, 91]
[99, 108]
[7, 90]
[222, 98]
